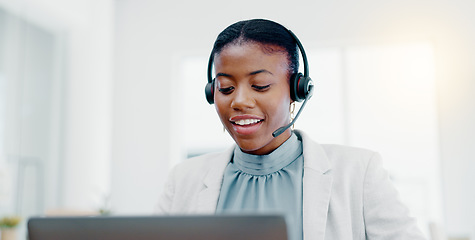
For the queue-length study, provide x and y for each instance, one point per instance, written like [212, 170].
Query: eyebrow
[250, 74]
[223, 75]
[260, 71]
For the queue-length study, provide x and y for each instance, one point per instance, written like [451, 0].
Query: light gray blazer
[346, 193]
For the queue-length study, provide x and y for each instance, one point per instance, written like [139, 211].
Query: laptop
[196, 227]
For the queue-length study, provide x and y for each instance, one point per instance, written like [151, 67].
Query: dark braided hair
[259, 31]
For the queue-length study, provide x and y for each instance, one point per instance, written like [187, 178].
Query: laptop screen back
[210, 227]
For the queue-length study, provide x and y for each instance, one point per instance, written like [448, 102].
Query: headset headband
[299, 45]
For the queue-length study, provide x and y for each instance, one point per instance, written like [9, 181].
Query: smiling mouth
[246, 122]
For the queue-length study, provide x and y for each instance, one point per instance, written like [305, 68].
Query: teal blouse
[266, 184]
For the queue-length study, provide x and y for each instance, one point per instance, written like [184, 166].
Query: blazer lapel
[212, 181]
[317, 185]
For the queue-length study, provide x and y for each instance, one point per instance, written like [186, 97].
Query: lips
[246, 124]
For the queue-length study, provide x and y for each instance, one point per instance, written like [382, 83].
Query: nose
[243, 99]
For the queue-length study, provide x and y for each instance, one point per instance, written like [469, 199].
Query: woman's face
[252, 95]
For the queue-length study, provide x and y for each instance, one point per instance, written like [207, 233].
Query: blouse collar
[281, 157]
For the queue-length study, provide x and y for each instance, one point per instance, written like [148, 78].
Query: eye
[261, 88]
[227, 90]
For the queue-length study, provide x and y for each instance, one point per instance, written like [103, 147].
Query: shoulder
[331, 156]
[335, 151]
[199, 166]
[198, 161]
[352, 164]
[346, 163]
[346, 155]
[188, 178]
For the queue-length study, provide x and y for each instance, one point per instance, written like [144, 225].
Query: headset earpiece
[209, 91]
[209, 88]
[300, 87]
[306, 87]
[294, 81]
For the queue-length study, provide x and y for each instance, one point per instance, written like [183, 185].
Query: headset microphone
[282, 129]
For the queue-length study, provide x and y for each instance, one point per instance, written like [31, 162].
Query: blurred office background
[98, 99]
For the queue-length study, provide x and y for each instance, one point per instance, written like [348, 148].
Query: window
[30, 116]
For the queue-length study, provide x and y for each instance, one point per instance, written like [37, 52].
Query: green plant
[9, 221]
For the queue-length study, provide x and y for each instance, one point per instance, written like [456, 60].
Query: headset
[301, 85]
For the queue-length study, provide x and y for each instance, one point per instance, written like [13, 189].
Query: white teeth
[246, 121]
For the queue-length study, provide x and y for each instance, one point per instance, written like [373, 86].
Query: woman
[325, 191]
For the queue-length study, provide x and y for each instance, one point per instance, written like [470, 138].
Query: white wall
[89, 108]
[140, 150]
[84, 30]
[150, 33]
